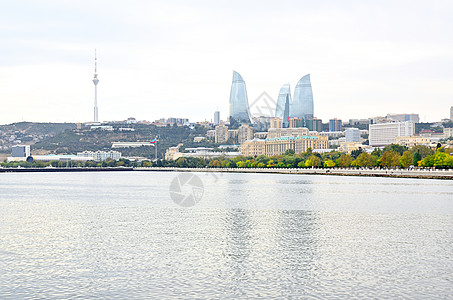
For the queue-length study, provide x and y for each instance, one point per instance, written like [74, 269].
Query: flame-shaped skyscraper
[283, 104]
[239, 105]
[95, 81]
[302, 106]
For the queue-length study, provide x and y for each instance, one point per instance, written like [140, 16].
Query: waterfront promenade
[405, 173]
[401, 173]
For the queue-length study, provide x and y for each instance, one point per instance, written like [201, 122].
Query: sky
[159, 59]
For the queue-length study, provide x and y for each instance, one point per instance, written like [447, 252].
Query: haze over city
[176, 59]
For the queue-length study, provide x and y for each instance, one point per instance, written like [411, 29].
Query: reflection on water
[119, 235]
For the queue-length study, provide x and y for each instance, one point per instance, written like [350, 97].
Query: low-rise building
[20, 151]
[255, 147]
[411, 141]
[332, 134]
[201, 152]
[100, 155]
[279, 145]
[260, 135]
[348, 147]
[294, 132]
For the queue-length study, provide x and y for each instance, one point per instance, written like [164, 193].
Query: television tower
[95, 81]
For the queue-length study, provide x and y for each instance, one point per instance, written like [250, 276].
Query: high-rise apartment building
[276, 123]
[221, 134]
[386, 133]
[335, 125]
[216, 118]
[314, 124]
[245, 133]
[451, 113]
[296, 122]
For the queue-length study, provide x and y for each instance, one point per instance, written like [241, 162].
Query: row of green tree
[72, 164]
[390, 157]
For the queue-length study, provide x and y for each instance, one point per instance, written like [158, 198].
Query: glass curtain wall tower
[283, 105]
[239, 105]
[302, 106]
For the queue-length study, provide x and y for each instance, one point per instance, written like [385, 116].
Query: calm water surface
[120, 235]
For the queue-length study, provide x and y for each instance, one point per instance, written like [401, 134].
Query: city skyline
[174, 59]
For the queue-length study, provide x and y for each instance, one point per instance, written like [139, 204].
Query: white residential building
[100, 155]
[352, 135]
[386, 133]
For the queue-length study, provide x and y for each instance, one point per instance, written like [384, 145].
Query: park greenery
[392, 156]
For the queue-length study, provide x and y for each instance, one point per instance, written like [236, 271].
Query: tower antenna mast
[95, 81]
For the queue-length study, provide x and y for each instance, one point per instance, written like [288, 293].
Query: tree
[344, 161]
[289, 152]
[395, 147]
[390, 159]
[313, 161]
[406, 159]
[329, 164]
[240, 164]
[301, 164]
[356, 153]
[363, 160]
[423, 150]
[416, 158]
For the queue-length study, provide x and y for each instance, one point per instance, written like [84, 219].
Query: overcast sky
[175, 58]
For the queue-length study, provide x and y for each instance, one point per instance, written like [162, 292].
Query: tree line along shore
[392, 156]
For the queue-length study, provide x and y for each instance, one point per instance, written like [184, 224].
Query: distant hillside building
[451, 113]
[386, 133]
[130, 144]
[404, 117]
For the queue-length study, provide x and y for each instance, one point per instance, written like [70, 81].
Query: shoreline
[396, 173]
